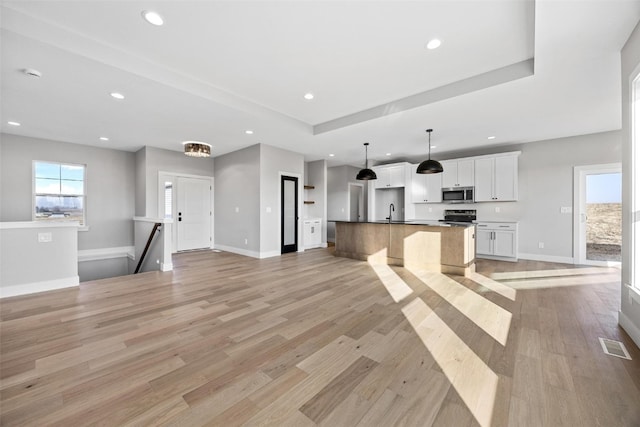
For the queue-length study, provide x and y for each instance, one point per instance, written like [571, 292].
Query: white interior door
[193, 219]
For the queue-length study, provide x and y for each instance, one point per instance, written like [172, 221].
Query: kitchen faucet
[391, 208]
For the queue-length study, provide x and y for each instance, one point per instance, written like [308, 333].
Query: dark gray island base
[428, 245]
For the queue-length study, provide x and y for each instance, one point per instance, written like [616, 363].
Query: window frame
[83, 226]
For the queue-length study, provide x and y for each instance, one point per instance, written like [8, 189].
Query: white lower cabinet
[497, 240]
[312, 233]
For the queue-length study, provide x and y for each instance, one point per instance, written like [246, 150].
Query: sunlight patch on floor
[396, 287]
[514, 275]
[558, 282]
[474, 381]
[494, 286]
[488, 316]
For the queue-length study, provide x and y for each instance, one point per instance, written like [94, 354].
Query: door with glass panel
[289, 214]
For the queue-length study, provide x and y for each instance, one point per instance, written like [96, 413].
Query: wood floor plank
[310, 339]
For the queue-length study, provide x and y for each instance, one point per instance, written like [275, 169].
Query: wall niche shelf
[309, 187]
[309, 202]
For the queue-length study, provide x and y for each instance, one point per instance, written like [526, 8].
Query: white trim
[160, 220]
[629, 327]
[166, 266]
[497, 258]
[270, 254]
[239, 251]
[105, 253]
[299, 223]
[32, 288]
[38, 224]
[547, 258]
[634, 292]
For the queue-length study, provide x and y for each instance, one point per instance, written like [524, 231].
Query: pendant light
[429, 166]
[366, 173]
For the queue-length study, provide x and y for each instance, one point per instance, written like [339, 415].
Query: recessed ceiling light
[388, 154]
[433, 146]
[117, 95]
[152, 18]
[248, 132]
[32, 73]
[104, 138]
[308, 96]
[14, 123]
[332, 155]
[433, 44]
[491, 137]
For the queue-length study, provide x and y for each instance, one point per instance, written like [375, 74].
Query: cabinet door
[383, 177]
[396, 176]
[433, 188]
[505, 178]
[450, 174]
[484, 180]
[465, 173]
[504, 243]
[316, 232]
[484, 243]
[419, 188]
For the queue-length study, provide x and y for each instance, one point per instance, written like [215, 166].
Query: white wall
[630, 311]
[274, 162]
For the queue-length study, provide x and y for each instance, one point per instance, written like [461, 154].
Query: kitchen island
[431, 245]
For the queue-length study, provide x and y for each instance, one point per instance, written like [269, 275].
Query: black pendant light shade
[366, 173]
[429, 166]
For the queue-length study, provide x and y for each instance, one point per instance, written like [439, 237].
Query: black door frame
[293, 247]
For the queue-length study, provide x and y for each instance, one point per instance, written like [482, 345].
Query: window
[59, 192]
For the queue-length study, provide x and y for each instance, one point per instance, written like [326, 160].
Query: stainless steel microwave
[458, 195]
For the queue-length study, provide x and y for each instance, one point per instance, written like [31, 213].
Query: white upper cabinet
[458, 173]
[496, 178]
[426, 188]
[390, 176]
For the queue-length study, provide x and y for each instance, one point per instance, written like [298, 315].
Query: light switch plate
[566, 209]
[44, 237]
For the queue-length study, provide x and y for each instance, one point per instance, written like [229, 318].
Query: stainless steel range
[459, 215]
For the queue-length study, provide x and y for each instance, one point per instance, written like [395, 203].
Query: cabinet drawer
[504, 226]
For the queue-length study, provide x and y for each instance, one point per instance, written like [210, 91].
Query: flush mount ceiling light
[433, 44]
[152, 18]
[248, 132]
[13, 123]
[332, 155]
[366, 174]
[429, 166]
[491, 137]
[308, 96]
[197, 149]
[117, 95]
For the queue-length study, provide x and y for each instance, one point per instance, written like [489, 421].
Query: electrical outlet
[246, 241]
[44, 237]
[540, 245]
[268, 209]
[237, 209]
[566, 209]
[157, 261]
[430, 209]
[497, 208]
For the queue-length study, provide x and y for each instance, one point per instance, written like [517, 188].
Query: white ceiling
[519, 70]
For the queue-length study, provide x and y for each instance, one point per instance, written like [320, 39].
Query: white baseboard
[32, 288]
[269, 254]
[239, 251]
[497, 258]
[629, 327]
[166, 266]
[547, 258]
[105, 253]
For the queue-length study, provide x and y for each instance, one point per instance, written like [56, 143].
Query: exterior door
[193, 220]
[289, 214]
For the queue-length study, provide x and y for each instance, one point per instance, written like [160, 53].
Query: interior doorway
[598, 216]
[356, 202]
[289, 214]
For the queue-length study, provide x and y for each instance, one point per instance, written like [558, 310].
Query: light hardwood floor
[310, 339]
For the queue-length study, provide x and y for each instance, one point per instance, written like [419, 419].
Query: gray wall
[237, 184]
[141, 182]
[629, 312]
[273, 161]
[156, 160]
[338, 179]
[110, 186]
[316, 175]
[545, 184]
